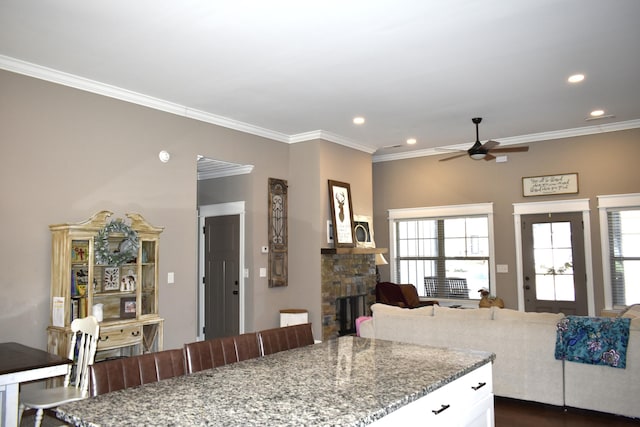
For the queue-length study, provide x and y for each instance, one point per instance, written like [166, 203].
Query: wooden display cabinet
[96, 266]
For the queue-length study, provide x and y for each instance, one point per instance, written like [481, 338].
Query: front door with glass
[554, 264]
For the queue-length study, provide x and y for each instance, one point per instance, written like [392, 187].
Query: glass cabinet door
[148, 267]
[79, 279]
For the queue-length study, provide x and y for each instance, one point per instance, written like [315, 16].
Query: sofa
[524, 343]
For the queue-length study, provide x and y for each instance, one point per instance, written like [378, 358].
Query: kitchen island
[349, 381]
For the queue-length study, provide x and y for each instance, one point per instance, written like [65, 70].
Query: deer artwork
[340, 198]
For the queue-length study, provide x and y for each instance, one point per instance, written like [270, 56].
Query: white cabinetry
[467, 401]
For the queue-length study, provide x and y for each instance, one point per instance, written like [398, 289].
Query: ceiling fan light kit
[480, 151]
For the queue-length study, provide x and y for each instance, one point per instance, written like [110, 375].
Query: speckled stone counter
[345, 382]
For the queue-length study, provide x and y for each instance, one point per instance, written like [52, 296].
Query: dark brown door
[222, 274]
[553, 263]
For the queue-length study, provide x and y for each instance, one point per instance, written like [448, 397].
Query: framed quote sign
[550, 184]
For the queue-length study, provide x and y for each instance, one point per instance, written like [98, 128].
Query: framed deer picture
[341, 214]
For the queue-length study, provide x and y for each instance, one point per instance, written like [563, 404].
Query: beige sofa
[524, 343]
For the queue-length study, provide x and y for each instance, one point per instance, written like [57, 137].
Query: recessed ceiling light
[411, 141]
[358, 120]
[597, 113]
[576, 78]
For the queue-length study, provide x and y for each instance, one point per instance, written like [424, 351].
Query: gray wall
[67, 154]
[605, 163]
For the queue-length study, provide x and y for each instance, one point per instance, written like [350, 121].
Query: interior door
[222, 273]
[554, 264]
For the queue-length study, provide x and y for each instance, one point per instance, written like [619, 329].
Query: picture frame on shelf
[128, 307]
[341, 214]
[79, 251]
[363, 231]
[127, 279]
[111, 279]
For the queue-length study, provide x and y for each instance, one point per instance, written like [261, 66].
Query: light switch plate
[170, 277]
[263, 272]
[502, 268]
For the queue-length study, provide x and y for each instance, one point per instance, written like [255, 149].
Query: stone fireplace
[348, 288]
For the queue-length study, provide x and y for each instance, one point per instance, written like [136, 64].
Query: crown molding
[81, 83]
[330, 137]
[87, 85]
[522, 139]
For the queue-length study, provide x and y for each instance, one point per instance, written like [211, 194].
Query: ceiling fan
[484, 151]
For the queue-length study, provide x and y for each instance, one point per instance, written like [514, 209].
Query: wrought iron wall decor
[278, 233]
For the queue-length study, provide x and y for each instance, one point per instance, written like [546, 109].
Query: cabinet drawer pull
[479, 386]
[442, 408]
[135, 333]
[103, 339]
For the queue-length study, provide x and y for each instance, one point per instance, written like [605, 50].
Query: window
[446, 252]
[620, 234]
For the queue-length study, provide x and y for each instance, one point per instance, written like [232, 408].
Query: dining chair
[273, 341]
[76, 381]
[247, 346]
[133, 371]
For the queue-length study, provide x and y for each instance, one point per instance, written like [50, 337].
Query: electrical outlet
[264, 249]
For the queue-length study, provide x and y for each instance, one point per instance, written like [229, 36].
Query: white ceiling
[294, 70]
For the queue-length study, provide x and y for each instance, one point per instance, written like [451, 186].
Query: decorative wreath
[127, 250]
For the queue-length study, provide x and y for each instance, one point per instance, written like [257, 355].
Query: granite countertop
[350, 381]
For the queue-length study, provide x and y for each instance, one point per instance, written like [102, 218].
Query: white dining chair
[76, 381]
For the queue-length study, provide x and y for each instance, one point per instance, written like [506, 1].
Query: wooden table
[19, 363]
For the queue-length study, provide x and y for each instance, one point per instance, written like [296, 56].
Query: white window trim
[613, 201]
[444, 211]
[575, 205]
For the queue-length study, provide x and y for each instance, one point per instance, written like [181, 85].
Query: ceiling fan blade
[510, 149]
[449, 150]
[490, 144]
[453, 157]
[489, 157]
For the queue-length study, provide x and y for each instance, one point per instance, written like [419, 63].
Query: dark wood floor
[517, 413]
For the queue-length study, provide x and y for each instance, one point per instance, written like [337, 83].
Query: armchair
[401, 295]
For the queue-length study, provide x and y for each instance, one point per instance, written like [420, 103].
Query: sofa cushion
[463, 313]
[506, 314]
[384, 309]
[633, 311]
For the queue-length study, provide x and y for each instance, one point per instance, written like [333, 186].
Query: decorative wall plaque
[550, 184]
[278, 233]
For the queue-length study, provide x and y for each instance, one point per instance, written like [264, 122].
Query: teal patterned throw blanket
[593, 340]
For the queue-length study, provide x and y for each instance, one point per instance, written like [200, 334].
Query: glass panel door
[553, 263]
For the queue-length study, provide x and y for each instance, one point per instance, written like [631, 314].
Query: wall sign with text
[550, 184]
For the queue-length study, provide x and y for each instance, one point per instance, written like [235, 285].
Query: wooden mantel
[363, 251]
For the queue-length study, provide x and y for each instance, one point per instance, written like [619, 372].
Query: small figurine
[488, 301]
